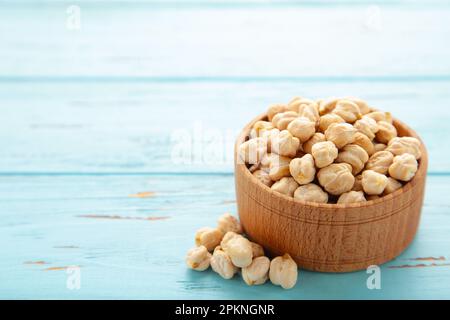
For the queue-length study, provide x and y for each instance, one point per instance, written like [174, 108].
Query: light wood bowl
[330, 237]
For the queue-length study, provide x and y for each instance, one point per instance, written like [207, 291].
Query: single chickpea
[279, 168]
[404, 167]
[275, 109]
[303, 169]
[266, 160]
[259, 128]
[208, 237]
[357, 186]
[327, 105]
[221, 263]
[198, 258]
[309, 111]
[400, 145]
[373, 182]
[379, 147]
[257, 250]
[283, 272]
[380, 161]
[324, 153]
[311, 192]
[392, 186]
[252, 151]
[380, 116]
[347, 110]
[269, 135]
[239, 249]
[355, 156]
[286, 185]
[296, 102]
[352, 197]
[263, 177]
[282, 120]
[367, 126]
[364, 142]
[337, 178]
[227, 223]
[317, 137]
[386, 132]
[285, 144]
[363, 106]
[227, 237]
[257, 272]
[327, 119]
[340, 134]
[302, 128]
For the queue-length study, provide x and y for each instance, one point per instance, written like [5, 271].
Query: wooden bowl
[330, 237]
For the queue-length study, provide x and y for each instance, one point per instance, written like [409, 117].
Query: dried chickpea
[227, 223]
[355, 156]
[311, 192]
[282, 120]
[373, 182]
[257, 272]
[251, 151]
[367, 126]
[400, 145]
[357, 186]
[340, 134]
[303, 169]
[221, 263]
[269, 135]
[404, 167]
[347, 110]
[337, 178]
[198, 258]
[302, 128]
[257, 250]
[317, 137]
[324, 153]
[327, 105]
[296, 102]
[352, 197]
[266, 160]
[386, 132]
[227, 237]
[279, 167]
[263, 177]
[309, 110]
[259, 128]
[283, 272]
[274, 109]
[379, 147]
[364, 142]
[391, 186]
[285, 144]
[380, 116]
[380, 161]
[363, 106]
[239, 249]
[208, 237]
[326, 120]
[285, 186]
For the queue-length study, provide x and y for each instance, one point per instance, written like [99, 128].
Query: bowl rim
[421, 172]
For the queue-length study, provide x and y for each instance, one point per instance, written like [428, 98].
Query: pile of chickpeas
[337, 150]
[227, 251]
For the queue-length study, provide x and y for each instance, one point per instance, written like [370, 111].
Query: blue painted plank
[132, 126]
[57, 221]
[120, 40]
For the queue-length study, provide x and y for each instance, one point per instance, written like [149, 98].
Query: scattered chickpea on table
[228, 251]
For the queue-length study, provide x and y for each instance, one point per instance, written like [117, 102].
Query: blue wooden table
[93, 176]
